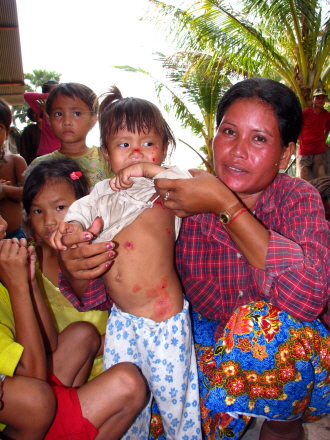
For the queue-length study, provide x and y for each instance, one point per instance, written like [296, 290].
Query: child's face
[126, 148]
[70, 119]
[49, 208]
[3, 133]
[3, 227]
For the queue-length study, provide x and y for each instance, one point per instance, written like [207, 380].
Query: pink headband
[75, 175]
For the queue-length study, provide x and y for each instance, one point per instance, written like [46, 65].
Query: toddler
[149, 323]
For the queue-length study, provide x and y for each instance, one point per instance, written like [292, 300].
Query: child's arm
[141, 169]
[14, 275]
[14, 190]
[46, 325]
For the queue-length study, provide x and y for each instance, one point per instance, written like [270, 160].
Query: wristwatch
[227, 215]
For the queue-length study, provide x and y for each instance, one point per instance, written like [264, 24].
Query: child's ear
[165, 148]
[93, 121]
[106, 154]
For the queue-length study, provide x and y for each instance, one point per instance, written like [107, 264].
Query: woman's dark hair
[134, 114]
[54, 171]
[47, 86]
[5, 114]
[73, 91]
[279, 97]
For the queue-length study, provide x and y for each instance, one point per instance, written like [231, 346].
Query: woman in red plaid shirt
[254, 259]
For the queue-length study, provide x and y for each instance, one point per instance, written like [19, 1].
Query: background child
[12, 167]
[36, 101]
[149, 323]
[71, 110]
[52, 186]
[65, 407]
[30, 137]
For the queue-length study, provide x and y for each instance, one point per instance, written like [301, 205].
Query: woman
[254, 263]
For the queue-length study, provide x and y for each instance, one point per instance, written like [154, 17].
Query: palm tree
[287, 40]
[191, 95]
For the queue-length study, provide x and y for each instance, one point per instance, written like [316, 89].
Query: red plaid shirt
[96, 296]
[217, 278]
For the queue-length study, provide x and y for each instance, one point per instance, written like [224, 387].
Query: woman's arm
[205, 193]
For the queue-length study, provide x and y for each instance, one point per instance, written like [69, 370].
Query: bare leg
[28, 408]
[73, 359]
[113, 399]
[273, 430]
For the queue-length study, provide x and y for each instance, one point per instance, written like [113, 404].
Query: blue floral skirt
[267, 364]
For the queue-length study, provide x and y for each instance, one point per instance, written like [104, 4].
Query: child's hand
[122, 178]
[141, 169]
[13, 263]
[64, 228]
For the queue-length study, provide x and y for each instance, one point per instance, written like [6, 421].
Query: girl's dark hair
[279, 97]
[73, 91]
[5, 114]
[54, 170]
[134, 114]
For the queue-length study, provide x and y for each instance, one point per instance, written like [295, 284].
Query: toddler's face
[126, 148]
[49, 208]
[3, 133]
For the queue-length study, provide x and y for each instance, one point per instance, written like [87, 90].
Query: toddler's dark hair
[134, 114]
[54, 170]
[73, 91]
[5, 114]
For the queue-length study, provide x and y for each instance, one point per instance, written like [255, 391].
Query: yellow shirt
[10, 351]
[63, 313]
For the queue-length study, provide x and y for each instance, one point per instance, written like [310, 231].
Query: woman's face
[247, 148]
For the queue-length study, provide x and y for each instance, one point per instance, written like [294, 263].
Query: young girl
[52, 186]
[71, 110]
[44, 395]
[149, 323]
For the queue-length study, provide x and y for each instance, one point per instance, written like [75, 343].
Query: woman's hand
[85, 261]
[203, 193]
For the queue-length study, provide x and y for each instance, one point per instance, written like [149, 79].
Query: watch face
[224, 218]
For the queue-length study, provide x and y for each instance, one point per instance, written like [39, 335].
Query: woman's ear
[286, 156]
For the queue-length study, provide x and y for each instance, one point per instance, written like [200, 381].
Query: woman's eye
[229, 131]
[124, 144]
[60, 208]
[260, 139]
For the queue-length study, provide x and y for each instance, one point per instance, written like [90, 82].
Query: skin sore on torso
[143, 279]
